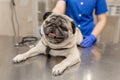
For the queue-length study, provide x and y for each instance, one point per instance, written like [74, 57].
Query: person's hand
[88, 41]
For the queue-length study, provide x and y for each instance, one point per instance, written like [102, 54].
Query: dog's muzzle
[55, 33]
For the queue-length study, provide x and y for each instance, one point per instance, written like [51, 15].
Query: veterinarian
[81, 11]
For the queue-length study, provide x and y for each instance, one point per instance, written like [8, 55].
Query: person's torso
[81, 11]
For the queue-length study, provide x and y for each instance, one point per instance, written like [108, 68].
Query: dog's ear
[46, 15]
[73, 27]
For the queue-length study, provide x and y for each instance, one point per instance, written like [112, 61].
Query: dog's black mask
[55, 28]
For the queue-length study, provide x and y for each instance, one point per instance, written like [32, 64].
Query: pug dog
[60, 37]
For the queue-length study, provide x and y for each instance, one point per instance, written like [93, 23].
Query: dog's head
[57, 27]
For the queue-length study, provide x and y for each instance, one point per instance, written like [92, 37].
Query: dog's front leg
[71, 59]
[38, 49]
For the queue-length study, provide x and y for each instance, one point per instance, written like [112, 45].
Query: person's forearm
[60, 7]
[58, 10]
[100, 25]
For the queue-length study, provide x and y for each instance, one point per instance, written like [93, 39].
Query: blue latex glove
[88, 41]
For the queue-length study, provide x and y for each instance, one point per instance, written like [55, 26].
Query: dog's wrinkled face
[55, 29]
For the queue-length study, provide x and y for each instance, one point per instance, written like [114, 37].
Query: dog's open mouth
[53, 38]
[52, 35]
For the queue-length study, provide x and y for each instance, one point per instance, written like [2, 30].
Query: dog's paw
[19, 58]
[58, 69]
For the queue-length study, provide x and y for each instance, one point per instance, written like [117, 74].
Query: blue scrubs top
[81, 11]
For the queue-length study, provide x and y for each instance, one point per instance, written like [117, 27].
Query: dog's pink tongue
[51, 35]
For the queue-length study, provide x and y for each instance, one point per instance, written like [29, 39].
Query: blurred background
[24, 17]
[21, 18]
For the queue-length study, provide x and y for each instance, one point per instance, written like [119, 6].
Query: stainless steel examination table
[100, 62]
